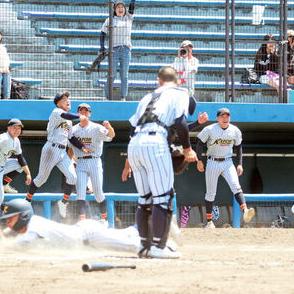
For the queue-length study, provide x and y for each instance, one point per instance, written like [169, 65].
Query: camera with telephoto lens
[183, 52]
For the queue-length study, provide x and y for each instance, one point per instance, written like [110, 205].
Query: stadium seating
[68, 31]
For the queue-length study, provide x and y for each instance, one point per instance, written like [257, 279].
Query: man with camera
[186, 66]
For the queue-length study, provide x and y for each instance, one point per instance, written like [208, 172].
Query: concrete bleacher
[71, 30]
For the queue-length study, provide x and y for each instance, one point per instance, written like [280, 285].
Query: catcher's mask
[19, 207]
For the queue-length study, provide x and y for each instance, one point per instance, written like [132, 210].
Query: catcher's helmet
[15, 207]
[15, 122]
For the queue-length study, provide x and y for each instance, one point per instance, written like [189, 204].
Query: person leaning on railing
[266, 63]
[122, 27]
[5, 80]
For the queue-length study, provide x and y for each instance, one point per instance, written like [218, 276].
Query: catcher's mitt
[178, 159]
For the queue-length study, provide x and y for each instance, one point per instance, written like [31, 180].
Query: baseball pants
[53, 156]
[10, 165]
[90, 168]
[151, 163]
[216, 168]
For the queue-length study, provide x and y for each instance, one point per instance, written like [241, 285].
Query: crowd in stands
[265, 69]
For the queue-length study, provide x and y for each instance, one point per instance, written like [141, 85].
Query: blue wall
[37, 110]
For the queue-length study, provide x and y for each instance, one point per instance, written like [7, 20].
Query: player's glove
[178, 159]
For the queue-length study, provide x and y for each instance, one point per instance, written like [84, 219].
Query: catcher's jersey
[8, 147]
[122, 27]
[172, 104]
[58, 129]
[220, 141]
[92, 136]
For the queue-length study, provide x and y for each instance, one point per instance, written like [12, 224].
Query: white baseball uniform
[54, 151]
[148, 150]
[8, 147]
[88, 232]
[89, 165]
[220, 144]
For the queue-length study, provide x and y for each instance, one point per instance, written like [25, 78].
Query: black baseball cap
[223, 111]
[15, 122]
[59, 96]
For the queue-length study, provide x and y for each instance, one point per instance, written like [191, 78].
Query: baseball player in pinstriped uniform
[33, 229]
[10, 145]
[220, 138]
[59, 130]
[91, 135]
[150, 160]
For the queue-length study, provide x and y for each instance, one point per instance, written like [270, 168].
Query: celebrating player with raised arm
[92, 135]
[220, 138]
[59, 131]
[150, 160]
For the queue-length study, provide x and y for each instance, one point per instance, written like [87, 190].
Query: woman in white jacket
[5, 80]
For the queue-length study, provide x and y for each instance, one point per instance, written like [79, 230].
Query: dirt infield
[213, 261]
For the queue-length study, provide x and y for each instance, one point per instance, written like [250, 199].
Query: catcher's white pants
[54, 156]
[150, 160]
[10, 165]
[90, 168]
[216, 168]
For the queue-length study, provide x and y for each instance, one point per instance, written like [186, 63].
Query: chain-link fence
[224, 50]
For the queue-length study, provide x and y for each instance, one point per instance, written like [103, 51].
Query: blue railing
[257, 198]
[48, 198]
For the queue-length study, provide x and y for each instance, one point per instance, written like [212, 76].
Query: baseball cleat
[62, 208]
[165, 253]
[248, 214]
[9, 189]
[210, 225]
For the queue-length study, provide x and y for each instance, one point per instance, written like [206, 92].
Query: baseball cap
[14, 207]
[223, 111]
[59, 96]
[186, 43]
[15, 122]
[84, 105]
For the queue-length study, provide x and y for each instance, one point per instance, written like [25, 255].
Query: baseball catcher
[177, 153]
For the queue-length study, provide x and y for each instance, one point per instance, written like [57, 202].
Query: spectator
[122, 26]
[290, 56]
[186, 66]
[5, 81]
[266, 63]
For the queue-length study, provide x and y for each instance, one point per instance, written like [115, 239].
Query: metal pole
[110, 50]
[227, 47]
[285, 46]
[281, 53]
[233, 50]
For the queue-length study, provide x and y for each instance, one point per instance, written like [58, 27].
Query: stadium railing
[258, 198]
[111, 198]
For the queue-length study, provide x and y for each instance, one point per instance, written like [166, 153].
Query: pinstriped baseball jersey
[8, 147]
[92, 136]
[220, 141]
[148, 153]
[59, 129]
[172, 104]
